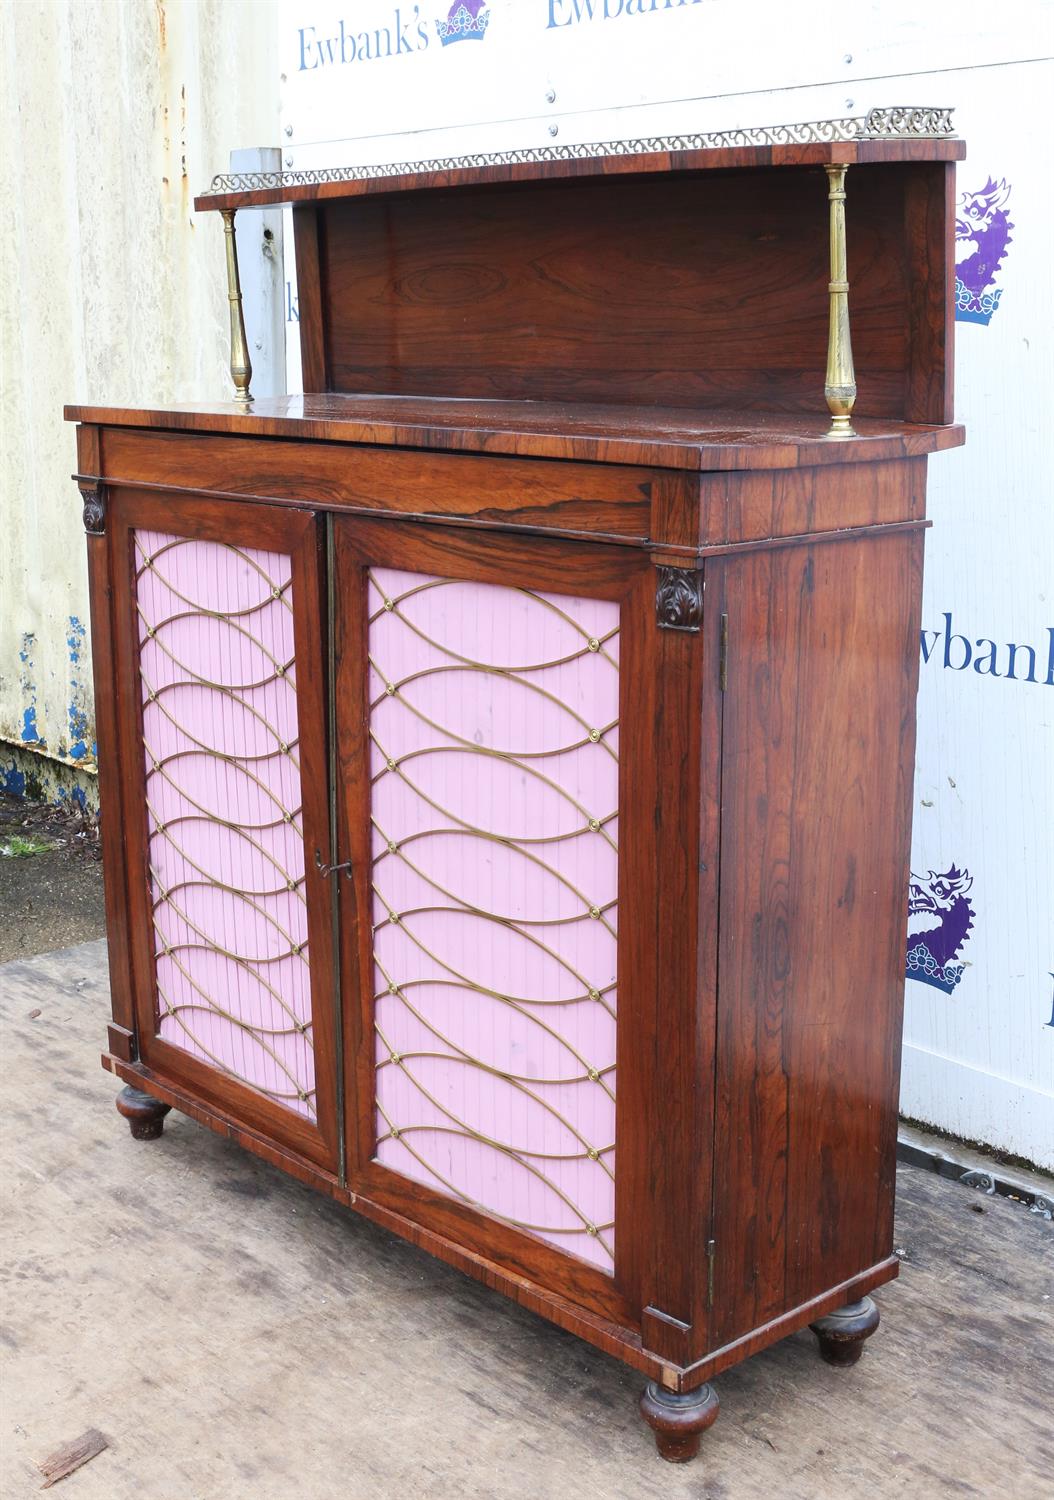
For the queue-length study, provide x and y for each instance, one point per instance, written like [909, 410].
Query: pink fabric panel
[495, 792]
[223, 793]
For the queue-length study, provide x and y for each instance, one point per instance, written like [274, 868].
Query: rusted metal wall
[114, 114]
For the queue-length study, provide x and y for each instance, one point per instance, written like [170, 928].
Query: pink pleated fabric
[494, 762]
[223, 792]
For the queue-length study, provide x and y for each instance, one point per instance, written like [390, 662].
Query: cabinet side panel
[494, 767]
[221, 747]
[816, 814]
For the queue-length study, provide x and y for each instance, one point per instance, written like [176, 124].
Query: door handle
[327, 870]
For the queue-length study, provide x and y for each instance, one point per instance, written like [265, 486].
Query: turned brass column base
[841, 426]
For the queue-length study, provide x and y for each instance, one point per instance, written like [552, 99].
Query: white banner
[375, 82]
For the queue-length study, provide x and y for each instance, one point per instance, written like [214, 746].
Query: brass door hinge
[723, 667]
[711, 1246]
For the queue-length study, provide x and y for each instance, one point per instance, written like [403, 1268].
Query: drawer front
[222, 661]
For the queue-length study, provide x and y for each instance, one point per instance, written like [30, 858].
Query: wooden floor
[236, 1337]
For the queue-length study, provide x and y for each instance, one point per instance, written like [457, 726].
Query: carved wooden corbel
[679, 599]
[94, 512]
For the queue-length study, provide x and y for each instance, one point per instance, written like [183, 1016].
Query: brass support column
[241, 365]
[840, 388]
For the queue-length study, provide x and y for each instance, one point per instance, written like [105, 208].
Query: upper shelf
[633, 274]
[901, 133]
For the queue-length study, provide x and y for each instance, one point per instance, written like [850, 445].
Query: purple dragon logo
[939, 919]
[466, 21]
[982, 233]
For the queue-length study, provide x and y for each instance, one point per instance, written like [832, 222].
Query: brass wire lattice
[220, 743]
[494, 772]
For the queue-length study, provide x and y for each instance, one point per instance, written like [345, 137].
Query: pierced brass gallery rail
[891, 122]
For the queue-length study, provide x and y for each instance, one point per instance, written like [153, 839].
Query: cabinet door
[220, 660]
[486, 786]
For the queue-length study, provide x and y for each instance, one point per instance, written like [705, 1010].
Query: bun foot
[842, 1333]
[678, 1419]
[144, 1113]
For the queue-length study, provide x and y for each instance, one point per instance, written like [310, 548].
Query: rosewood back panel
[682, 290]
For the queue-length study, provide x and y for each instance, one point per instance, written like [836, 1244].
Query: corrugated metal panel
[113, 114]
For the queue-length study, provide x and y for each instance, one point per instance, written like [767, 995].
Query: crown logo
[466, 21]
[940, 917]
[982, 234]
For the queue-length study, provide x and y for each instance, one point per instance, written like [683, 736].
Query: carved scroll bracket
[94, 512]
[679, 599]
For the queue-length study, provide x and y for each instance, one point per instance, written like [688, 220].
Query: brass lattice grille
[220, 740]
[495, 777]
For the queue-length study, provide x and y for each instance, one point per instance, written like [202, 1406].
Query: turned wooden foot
[678, 1420]
[842, 1333]
[144, 1113]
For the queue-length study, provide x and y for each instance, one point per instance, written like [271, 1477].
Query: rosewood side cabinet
[506, 747]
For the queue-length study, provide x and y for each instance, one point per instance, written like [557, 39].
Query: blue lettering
[304, 44]
[985, 664]
[948, 638]
[1013, 650]
[1022, 664]
[571, 12]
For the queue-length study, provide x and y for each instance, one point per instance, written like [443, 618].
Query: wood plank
[929, 209]
[753, 507]
[709, 293]
[585, 499]
[823, 647]
[71, 1456]
[677, 438]
[107, 716]
[675, 1050]
[306, 231]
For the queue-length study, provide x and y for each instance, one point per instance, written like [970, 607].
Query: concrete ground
[237, 1337]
